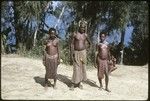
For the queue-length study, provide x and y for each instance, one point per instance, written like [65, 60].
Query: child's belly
[103, 55]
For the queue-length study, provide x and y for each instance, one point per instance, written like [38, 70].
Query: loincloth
[80, 57]
[52, 56]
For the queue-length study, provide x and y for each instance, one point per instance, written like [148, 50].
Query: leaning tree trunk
[16, 17]
[122, 45]
[60, 16]
[34, 38]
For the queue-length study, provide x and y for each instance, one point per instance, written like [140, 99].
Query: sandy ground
[23, 78]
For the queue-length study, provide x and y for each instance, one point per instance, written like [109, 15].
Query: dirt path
[23, 78]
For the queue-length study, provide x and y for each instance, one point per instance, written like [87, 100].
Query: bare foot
[55, 87]
[72, 88]
[46, 87]
[80, 86]
[107, 90]
[100, 88]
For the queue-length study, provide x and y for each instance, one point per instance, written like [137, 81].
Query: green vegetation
[117, 15]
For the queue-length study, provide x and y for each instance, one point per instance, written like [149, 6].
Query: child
[102, 60]
[78, 48]
[51, 57]
[112, 64]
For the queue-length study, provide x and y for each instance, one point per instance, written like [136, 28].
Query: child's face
[52, 34]
[82, 29]
[102, 37]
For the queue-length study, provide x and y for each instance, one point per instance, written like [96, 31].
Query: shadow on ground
[64, 79]
[40, 80]
[60, 77]
[91, 83]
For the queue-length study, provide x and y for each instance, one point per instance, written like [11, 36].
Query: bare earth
[23, 78]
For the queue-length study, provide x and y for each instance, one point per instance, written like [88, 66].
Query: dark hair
[52, 29]
[103, 33]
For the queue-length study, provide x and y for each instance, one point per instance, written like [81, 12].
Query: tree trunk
[60, 17]
[15, 23]
[122, 36]
[122, 45]
[34, 39]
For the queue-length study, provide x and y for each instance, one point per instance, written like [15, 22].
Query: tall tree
[28, 11]
[139, 45]
[114, 14]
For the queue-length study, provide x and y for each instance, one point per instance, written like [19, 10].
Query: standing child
[51, 57]
[102, 60]
[112, 64]
[79, 48]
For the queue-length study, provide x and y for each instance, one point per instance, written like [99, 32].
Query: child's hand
[58, 61]
[110, 62]
[95, 66]
[44, 63]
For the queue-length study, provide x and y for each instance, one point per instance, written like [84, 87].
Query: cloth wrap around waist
[79, 66]
[103, 67]
[51, 63]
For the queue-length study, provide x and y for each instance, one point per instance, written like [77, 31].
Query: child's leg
[100, 81]
[55, 80]
[107, 79]
[72, 86]
[46, 81]
[80, 86]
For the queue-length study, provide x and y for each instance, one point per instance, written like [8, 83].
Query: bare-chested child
[78, 48]
[51, 58]
[112, 64]
[102, 60]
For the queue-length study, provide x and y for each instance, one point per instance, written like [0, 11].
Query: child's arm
[44, 52]
[58, 51]
[88, 40]
[72, 47]
[96, 52]
[109, 54]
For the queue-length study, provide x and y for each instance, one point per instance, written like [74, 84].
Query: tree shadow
[91, 83]
[64, 79]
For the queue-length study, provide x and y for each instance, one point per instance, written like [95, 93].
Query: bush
[34, 52]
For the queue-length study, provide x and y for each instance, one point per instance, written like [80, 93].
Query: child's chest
[80, 36]
[51, 43]
[102, 46]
